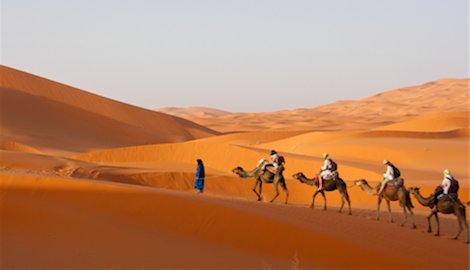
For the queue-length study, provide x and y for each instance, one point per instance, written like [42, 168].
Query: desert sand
[88, 182]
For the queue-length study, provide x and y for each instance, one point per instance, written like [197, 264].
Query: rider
[447, 187]
[326, 171]
[274, 157]
[273, 161]
[389, 175]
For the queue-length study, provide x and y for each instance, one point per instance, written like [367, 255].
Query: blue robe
[199, 182]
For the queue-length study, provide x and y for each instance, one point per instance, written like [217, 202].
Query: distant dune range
[88, 182]
[446, 95]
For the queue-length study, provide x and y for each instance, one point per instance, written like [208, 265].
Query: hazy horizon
[233, 55]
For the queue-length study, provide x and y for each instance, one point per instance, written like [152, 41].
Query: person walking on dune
[199, 181]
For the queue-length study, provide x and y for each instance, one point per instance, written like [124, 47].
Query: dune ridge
[385, 108]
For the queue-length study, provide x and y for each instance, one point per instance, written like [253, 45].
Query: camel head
[298, 175]
[361, 183]
[239, 170]
[413, 189]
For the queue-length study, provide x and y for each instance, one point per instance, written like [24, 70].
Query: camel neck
[422, 200]
[367, 188]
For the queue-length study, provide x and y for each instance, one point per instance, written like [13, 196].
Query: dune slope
[50, 115]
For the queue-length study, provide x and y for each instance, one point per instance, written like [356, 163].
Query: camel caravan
[443, 200]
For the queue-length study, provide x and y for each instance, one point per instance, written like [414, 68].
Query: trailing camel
[264, 176]
[394, 191]
[447, 206]
[328, 185]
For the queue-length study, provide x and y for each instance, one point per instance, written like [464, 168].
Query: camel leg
[324, 200]
[390, 218]
[460, 228]
[254, 189]
[379, 201]
[412, 217]
[438, 224]
[260, 189]
[342, 203]
[276, 188]
[405, 215]
[429, 221]
[460, 220]
[466, 226]
[284, 187]
[464, 220]
[313, 199]
[341, 192]
[346, 195]
[413, 225]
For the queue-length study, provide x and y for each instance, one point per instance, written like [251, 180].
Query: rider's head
[325, 155]
[446, 172]
[273, 152]
[386, 162]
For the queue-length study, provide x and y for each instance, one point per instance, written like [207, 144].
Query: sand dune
[420, 155]
[54, 117]
[446, 95]
[87, 182]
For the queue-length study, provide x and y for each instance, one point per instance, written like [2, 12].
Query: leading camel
[328, 185]
[391, 193]
[445, 207]
[265, 176]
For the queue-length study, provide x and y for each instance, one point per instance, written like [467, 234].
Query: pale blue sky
[245, 55]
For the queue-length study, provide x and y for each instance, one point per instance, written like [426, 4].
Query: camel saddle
[397, 183]
[333, 176]
[448, 197]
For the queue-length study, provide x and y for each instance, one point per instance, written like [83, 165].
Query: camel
[267, 177]
[449, 206]
[328, 185]
[391, 193]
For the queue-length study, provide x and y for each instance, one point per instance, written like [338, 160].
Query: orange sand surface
[87, 182]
